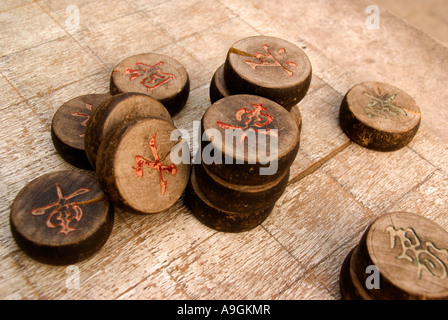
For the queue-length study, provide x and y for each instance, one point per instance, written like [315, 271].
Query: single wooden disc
[68, 128]
[61, 217]
[269, 67]
[120, 107]
[253, 140]
[218, 90]
[157, 75]
[135, 166]
[239, 198]
[379, 116]
[218, 219]
[411, 253]
[349, 285]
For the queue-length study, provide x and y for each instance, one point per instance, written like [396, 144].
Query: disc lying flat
[61, 217]
[379, 116]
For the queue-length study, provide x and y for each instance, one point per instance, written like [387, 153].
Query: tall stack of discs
[401, 256]
[128, 137]
[264, 66]
[250, 144]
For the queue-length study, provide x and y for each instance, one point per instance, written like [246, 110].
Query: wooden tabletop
[336, 188]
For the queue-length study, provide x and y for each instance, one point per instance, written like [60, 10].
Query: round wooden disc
[411, 253]
[250, 120]
[379, 116]
[135, 169]
[61, 217]
[218, 88]
[348, 284]
[270, 67]
[218, 219]
[157, 75]
[120, 107]
[239, 198]
[68, 128]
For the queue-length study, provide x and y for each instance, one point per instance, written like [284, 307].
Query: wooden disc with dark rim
[135, 167]
[270, 67]
[118, 108]
[218, 90]
[379, 116]
[239, 198]
[248, 139]
[68, 128]
[61, 218]
[156, 75]
[218, 219]
[411, 254]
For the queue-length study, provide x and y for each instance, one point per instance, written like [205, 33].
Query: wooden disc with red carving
[269, 67]
[156, 75]
[235, 197]
[218, 90]
[248, 139]
[218, 219]
[379, 116]
[143, 165]
[61, 217]
[410, 254]
[68, 128]
[120, 107]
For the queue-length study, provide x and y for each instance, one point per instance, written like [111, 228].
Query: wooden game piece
[379, 116]
[135, 169]
[269, 67]
[156, 75]
[218, 219]
[410, 253]
[218, 90]
[238, 126]
[68, 128]
[120, 107]
[238, 198]
[61, 217]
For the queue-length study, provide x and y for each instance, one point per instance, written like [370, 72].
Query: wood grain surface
[336, 188]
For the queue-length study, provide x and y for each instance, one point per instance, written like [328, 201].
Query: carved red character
[252, 120]
[153, 75]
[62, 212]
[86, 116]
[268, 60]
[141, 162]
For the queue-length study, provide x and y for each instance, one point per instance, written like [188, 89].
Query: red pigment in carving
[268, 60]
[154, 77]
[156, 164]
[79, 114]
[63, 211]
[254, 121]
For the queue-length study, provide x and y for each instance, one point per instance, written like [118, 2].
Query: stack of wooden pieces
[251, 143]
[401, 256]
[126, 138]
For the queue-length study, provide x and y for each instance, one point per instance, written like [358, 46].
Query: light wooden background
[337, 188]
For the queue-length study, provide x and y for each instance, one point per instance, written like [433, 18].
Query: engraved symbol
[268, 60]
[424, 256]
[63, 211]
[253, 121]
[382, 108]
[156, 164]
[86, 116]
[154, 77]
